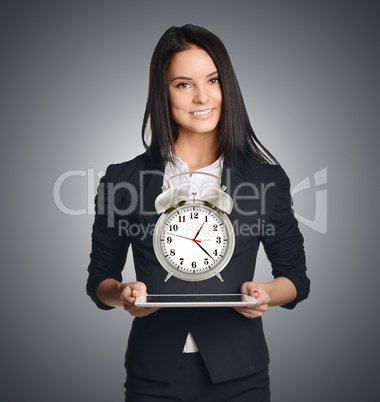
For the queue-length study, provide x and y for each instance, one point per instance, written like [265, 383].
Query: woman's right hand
[128, 296]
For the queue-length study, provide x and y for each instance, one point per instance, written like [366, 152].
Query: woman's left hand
[262, 296]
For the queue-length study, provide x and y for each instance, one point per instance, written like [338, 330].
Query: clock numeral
[194, 264]
[181, 218]
[215, 228]
[173, 228]
[206, 261]
[172, 251]
[206, 220]
[169, 240]
[218, 240]
[181, 261]
[194, 215]
[215, 252]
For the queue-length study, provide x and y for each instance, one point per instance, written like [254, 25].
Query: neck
[197, 151]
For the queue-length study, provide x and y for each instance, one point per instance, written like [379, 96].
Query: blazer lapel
[233, 181]
[152, 179]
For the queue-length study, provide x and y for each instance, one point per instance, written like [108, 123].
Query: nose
[201, 95]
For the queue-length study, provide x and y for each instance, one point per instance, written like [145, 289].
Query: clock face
[194, 241]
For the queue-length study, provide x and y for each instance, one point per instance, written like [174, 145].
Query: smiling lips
[202, 112]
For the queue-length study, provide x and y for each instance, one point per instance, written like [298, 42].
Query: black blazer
[231, 345]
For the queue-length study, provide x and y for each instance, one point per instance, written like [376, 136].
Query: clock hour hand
[199, 231]
[204, 250]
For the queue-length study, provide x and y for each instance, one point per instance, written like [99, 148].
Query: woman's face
[194, 91]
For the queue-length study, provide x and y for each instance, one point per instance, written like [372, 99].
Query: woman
[196, 118]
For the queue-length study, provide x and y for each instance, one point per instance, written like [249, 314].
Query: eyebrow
[188, 78]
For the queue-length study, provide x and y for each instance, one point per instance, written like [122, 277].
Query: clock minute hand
[204, 250]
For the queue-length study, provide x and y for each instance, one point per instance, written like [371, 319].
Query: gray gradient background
[73, 89]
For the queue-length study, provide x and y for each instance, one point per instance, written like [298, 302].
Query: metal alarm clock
[194, 238]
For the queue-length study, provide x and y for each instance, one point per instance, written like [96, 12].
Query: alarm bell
[216, 196]
[170, 197]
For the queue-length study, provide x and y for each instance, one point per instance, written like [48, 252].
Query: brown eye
[214, 80]
[183, 85]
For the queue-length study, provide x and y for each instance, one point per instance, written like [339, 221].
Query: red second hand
[183, 237]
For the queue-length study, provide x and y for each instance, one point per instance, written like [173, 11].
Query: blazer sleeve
[109, 248]
[283, 243]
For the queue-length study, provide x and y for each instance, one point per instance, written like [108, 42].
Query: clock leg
[168, 276]
[219, 276]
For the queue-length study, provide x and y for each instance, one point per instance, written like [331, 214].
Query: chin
[205, 132]
[206, 128]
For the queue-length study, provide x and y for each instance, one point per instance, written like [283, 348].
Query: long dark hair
[236, 136]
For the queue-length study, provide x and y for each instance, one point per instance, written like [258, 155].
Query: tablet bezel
[249, 301]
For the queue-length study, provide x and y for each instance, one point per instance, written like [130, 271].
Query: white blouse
[192, 184]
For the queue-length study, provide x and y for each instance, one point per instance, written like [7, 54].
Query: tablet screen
[195, 300]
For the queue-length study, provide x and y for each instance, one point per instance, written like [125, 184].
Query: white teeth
[202, 113]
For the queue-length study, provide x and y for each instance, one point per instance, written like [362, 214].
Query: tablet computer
[195, 300]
